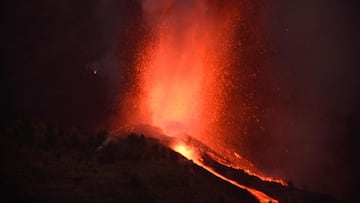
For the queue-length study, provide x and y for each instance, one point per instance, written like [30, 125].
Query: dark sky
[317, 66]
[51, 48]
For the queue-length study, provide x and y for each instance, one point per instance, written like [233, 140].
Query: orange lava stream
[246, 166]
[262, 197]
[189, 154]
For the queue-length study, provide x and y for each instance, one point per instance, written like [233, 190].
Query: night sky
[52, 47]
[317, 67]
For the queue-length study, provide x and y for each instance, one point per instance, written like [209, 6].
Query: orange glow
[184, 150]
[181, 83]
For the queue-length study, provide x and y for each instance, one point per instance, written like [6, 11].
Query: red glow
[182, 85]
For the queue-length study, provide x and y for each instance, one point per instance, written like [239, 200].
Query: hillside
[48, 164]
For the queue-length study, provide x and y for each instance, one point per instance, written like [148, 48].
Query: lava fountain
[182, 83]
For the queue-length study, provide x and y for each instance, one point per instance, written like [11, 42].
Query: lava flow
[193, 154]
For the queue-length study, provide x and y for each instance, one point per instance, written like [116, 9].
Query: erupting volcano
[183, 75]
[179, 101]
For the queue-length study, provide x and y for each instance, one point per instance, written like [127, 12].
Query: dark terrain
[43, 163]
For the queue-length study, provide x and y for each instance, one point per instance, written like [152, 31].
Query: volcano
[231, 168]
[60, 165]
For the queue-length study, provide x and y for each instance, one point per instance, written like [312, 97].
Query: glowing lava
[262, 197]
[184, 150]
[190, 154]
[182, 82]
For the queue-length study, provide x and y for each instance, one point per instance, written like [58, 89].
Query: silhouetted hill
[42, 163]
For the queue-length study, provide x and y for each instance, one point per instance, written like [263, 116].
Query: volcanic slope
[41, 163]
